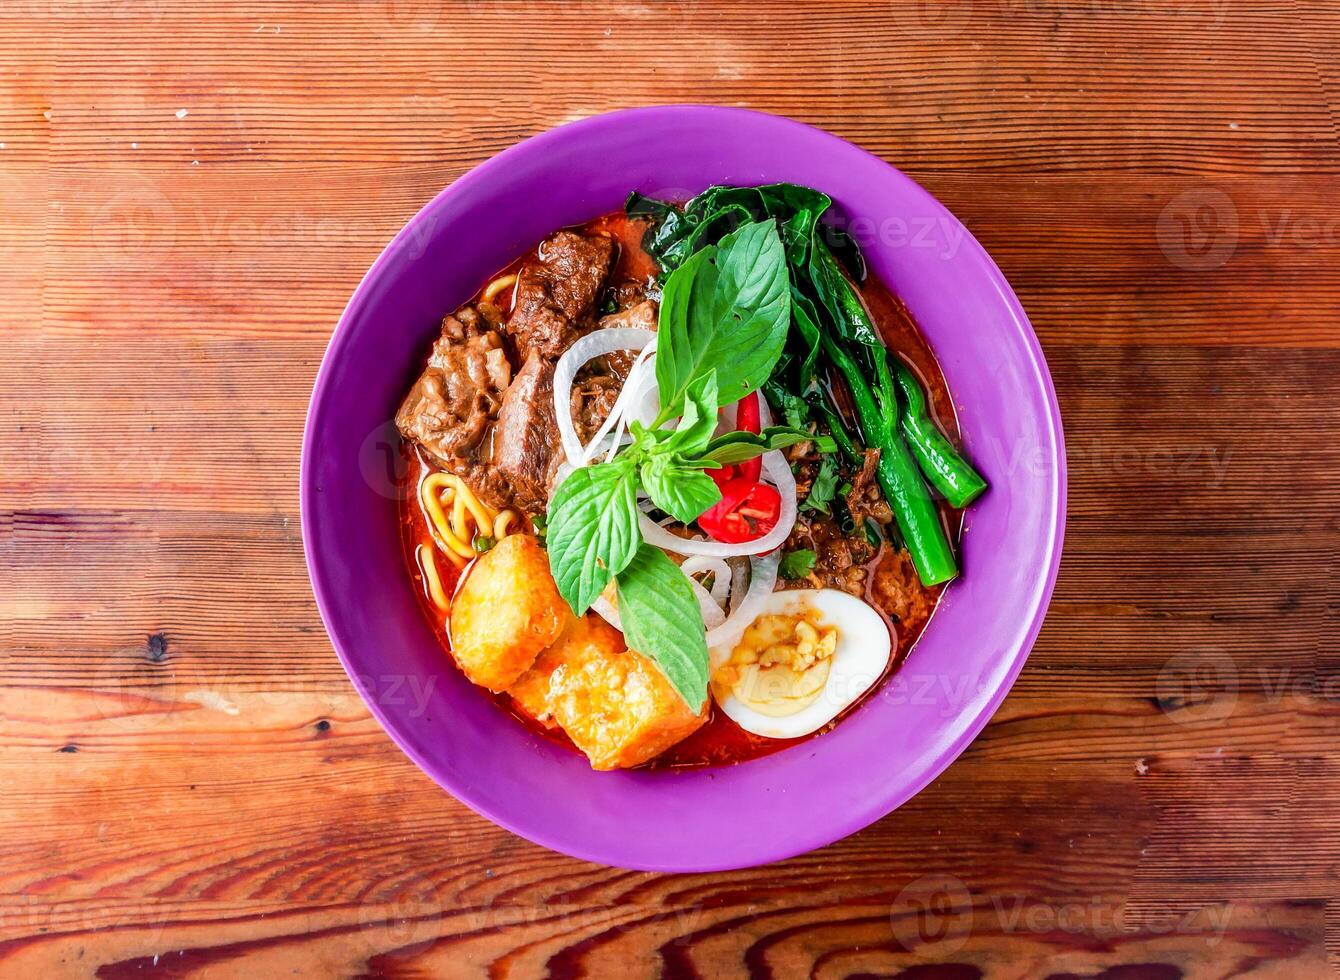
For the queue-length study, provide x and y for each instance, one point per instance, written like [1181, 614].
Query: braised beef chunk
[641, 315]
[470, 414]
[865, 499]
[839, 558]
[557, 291]
[526, 446]
[450, 407]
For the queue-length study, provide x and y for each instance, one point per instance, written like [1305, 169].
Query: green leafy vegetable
[797, 564]
[662, 620]
[730, 448]
[727, 309]
[824, 487]
[593, 531]
[829, 322]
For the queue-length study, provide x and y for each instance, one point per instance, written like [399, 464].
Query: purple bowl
[767, 809]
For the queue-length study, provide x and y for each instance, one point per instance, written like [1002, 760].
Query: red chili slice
[748, 418]
[748, 510]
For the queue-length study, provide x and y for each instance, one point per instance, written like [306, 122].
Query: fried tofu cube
[616, 706]
[506, 612]
[584, 638]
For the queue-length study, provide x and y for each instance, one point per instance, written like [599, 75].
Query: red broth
[720, 741]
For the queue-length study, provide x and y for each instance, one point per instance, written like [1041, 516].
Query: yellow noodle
[502, 523]
[434, 581]
[483, 516]
[497, 286]
[453, 531]
[459, 526]
[447, 538]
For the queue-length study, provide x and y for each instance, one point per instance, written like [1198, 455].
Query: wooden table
[188, 782]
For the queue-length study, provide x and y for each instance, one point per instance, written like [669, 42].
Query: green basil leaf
[730, 448]
[797, 564]
[699, 420]
[663, 621]
[824, 487]
[726, 309]
[593, 532]
[680, 488]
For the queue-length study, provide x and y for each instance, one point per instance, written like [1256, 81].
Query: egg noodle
[456, 518]
[497, 286]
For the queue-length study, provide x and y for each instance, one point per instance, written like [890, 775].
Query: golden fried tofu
[506, 611]
[617, 707]
[584, 638]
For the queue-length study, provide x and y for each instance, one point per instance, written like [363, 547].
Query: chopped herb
[483, 543]
[797, 564]
[824, 487]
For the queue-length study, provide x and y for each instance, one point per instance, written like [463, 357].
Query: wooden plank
[189, 193]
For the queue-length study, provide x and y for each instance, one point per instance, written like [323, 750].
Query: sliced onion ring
[712, 614]
[717, 568]
[594, 344]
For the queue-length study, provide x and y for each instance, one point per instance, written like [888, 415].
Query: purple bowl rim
[880, 806]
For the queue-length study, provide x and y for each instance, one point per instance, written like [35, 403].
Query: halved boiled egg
[807, 655]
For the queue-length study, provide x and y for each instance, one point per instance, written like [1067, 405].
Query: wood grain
[190, 787]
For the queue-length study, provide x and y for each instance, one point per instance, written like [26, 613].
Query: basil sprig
[723, 322]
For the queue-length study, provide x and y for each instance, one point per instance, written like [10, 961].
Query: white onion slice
[712, 614]
[764, 412]
[622, 404]
[606, 610]
[777, 471]
[739, 570]
[585, 348]
[762, 579]
[719, 570]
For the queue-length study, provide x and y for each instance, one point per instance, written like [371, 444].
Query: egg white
[861, 656]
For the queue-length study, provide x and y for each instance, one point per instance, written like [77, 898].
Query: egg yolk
[780, 665]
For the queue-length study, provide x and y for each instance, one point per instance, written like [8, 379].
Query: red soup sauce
[720, 741]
